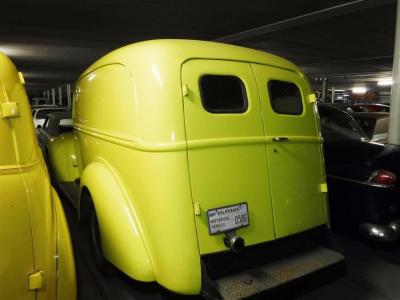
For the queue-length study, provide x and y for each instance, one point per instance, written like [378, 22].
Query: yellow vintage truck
[36, 258]
[198, 165]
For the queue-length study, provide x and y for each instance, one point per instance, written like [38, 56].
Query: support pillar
[394, 121]
[324, 89]
[69, 96]
[60, 96]
[53, 96]
[47, 96]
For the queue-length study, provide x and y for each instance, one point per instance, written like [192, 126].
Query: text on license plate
[227, 218]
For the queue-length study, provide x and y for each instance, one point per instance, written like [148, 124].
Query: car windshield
[339, 126]
[46, 123]
[41, 114]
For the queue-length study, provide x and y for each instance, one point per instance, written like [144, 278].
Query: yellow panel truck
[198, 165]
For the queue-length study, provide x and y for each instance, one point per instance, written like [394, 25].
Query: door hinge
[73, 159]
[197, 209]
[35, 280]
[9, 110]
[185, 90]
[312, 98]
[323, 187]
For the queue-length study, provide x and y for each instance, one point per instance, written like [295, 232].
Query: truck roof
[179, 50]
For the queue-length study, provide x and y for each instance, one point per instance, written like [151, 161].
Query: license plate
[227, 218]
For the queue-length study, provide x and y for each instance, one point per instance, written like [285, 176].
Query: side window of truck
[223, 94]
[285, 97]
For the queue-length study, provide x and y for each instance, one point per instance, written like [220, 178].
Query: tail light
[383, 177]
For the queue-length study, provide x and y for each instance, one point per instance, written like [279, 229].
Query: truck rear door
[226, 152]
[293, 148]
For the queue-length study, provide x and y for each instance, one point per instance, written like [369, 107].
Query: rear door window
[223, 94]
[285, 97]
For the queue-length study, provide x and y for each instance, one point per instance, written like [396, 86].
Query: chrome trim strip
[361, 182]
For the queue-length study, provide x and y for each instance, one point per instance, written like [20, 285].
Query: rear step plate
[277, 273]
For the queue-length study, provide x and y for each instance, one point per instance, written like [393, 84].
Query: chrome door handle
[280, 139]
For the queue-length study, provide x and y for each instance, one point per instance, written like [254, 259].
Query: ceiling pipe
[352, 75]
[394, 120]
[315, 16]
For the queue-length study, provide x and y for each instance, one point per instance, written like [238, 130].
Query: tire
[96, 252]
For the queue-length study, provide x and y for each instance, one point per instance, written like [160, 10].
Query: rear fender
[66, 275]
[123, 242]
[62, 157]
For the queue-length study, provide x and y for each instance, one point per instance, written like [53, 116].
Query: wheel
[95, 244]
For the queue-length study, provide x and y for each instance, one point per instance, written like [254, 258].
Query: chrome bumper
[381, 233]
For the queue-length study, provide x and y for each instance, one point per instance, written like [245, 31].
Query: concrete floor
[373, 272]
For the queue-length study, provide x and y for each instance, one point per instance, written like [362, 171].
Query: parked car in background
[204, 167]
[362, 177]
[36, 258]
[52, 138]
[43, 106]
[40, 114]
[374, 124]
[54, 125]
[368, 107]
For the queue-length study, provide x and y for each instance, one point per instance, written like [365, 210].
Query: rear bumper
[381, 233]
[265, 267]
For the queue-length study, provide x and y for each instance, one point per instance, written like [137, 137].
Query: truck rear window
[285, 97]
[223, 94]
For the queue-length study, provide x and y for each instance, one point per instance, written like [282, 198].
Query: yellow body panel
[62, 158]
[154, 161]
[17, 257]
[30, 231]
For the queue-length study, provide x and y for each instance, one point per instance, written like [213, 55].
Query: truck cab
[199, 162]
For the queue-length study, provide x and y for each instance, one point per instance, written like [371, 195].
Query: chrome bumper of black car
[367, 183]
[381, 233]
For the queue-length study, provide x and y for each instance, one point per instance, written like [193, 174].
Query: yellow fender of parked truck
[121, 231]
[61, 152]
[36, 258]
[66, 285]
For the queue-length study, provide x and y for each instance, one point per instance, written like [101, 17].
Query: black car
[364, 191]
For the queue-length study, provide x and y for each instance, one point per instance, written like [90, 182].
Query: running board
[277, 273]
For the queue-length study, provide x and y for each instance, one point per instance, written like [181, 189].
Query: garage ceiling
[52, 42]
